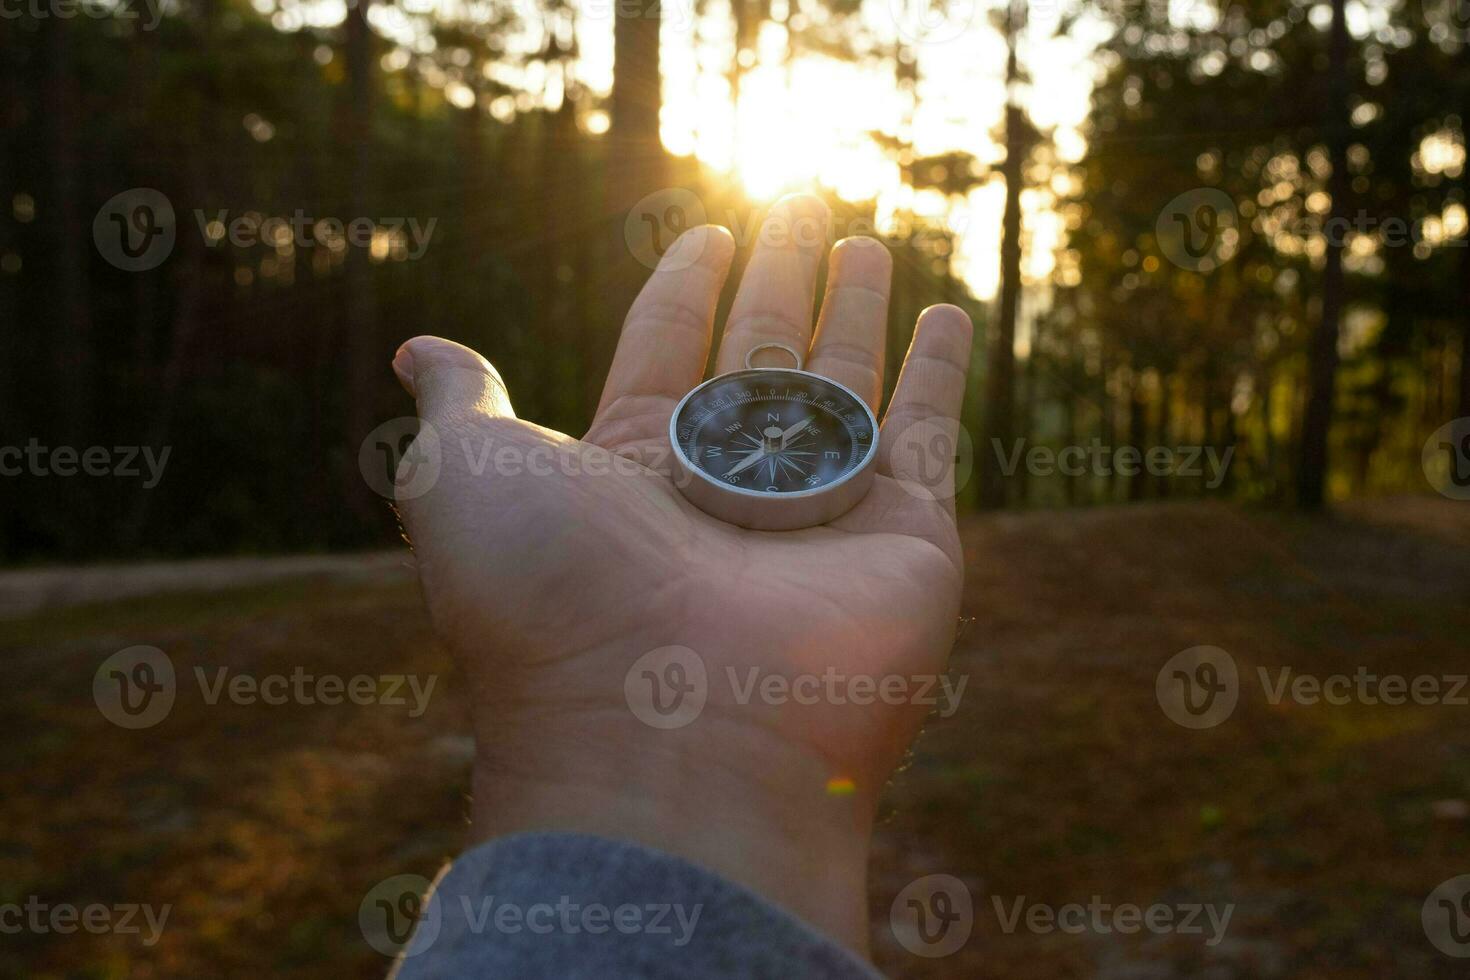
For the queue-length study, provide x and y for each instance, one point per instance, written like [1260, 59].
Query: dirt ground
[1322, 828]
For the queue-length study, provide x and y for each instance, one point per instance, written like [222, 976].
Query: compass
[773, 448]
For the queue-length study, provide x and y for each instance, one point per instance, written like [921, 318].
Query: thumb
[450, 381]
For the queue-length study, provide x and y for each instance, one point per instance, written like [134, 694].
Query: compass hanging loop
[795, 355]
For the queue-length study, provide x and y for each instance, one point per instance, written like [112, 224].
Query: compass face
[774, 431]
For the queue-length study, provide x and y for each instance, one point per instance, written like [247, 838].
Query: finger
[448, 380]
[442, 494]
[456, 391]
[920, 432]
[854, 321]
[665, 341]
[774, 303]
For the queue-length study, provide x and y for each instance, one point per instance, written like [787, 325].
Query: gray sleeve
[576, 906]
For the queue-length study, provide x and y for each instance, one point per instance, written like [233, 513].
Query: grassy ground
[1059, 778]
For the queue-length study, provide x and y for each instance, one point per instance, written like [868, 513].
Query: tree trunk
[634, 165]
[186, 316]
[1270, 462]
[1208, 410]
[72, 343]
[1227, 440]
[477, 217]
[1137, 426]
[1322, 371]
[553, 294]
[201, 178]
[1025, 424]
[746, 23]
[1463, 410]
[1161, 483]
[1107, 428]
[11, 99]
[1000, 373]
[635, 152]
[360, 335]
[14, 420]
[1069, 418]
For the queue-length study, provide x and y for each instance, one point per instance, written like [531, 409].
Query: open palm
[560, 572]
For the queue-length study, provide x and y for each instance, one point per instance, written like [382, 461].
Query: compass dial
[773, 431]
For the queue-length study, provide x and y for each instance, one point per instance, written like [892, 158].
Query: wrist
[733, 798]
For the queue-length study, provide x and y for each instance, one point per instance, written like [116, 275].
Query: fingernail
[684, 251]
[797, 219]
[403, 367]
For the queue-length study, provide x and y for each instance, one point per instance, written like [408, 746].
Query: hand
[547, 582]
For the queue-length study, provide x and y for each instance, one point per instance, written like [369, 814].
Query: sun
[798, 125]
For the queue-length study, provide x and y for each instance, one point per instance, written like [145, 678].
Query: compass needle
[755, 457]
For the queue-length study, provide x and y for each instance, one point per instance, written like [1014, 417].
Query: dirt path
[34, 590]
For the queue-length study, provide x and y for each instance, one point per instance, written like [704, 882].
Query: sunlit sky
[804, 118]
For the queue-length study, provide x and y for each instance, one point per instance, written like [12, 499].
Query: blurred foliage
[262, 366]
[1147, 351]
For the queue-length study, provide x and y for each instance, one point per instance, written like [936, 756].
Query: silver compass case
[773, 449]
